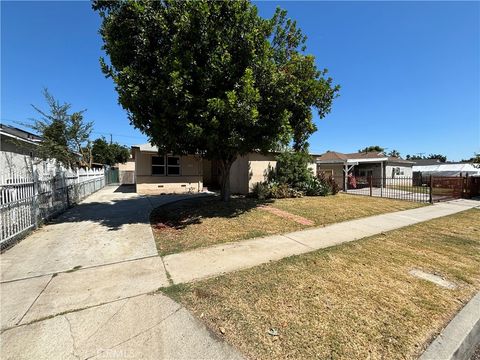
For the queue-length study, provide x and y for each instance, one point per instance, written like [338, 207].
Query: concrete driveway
[82, 287]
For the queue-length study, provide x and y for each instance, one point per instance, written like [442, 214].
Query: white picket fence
[27, 200]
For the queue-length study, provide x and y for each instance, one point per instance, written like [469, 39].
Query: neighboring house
[426, 162]
[18, 141]
[17, 149]
[380, 167]
[158, 174]
[447, 169]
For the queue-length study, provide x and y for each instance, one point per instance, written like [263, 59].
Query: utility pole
[110, 139]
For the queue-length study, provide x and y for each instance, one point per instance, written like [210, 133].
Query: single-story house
[381, 168]
[157, 174]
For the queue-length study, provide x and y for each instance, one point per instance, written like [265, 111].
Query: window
[399, 171]
[158, 165]
[173, 165]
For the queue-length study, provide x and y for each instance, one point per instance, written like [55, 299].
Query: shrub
[261, 191]
[279, 191]
[293, 178]
[316, 187]
[292, 169]
[335, 188]
[329, 182]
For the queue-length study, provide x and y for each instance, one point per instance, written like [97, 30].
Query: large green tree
[372, 148]
[212, 77]
[109, 154]
[65, 135]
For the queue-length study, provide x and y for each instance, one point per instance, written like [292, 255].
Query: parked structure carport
[362, 165]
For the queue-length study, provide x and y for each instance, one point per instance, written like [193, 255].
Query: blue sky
[410, 72]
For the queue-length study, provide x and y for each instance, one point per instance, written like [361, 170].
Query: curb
[459, 339]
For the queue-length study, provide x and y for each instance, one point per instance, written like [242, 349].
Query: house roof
[337, 157]
[450, 169]
[426, 162]
[146, 147]
[19, 134]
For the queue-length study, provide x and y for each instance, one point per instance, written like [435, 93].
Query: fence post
[370, 183]
[431, 189]
[465, 188]
[35, 205]
[65, 186]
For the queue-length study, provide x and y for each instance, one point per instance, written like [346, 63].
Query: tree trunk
[225, 166]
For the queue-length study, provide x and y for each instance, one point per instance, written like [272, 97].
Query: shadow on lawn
[181, 214]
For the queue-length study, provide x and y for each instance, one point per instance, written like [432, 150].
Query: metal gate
[447, 188]
[112, 177]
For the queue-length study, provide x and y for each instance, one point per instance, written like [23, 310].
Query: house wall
[252, 169]
[259, 166]
[189, 180]
[128, 166]
[392, 179]
[12, 163]
[333, 169]
[126, 172]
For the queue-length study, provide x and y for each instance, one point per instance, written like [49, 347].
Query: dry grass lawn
[353, 301]
[190, 224]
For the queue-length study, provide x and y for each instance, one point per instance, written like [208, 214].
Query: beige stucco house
[157, 174]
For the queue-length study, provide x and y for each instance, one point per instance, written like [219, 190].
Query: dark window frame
[159, 166]
[165, 165]
[176, 166]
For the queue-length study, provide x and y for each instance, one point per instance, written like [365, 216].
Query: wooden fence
[27, 200]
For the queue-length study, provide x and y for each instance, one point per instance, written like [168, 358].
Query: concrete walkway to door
[82, 287]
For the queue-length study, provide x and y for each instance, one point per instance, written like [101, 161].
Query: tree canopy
[372, 148]
[394, 153]
[213, 77]
[65, 135]
[440, 157]
[109, 153]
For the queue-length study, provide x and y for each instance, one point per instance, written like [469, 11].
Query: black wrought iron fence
[419, 189]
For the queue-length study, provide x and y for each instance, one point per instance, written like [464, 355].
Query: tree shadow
[126, 189]
[112, 214]
[174, 211]
[181, 214]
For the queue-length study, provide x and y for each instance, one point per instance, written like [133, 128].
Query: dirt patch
[286, 215]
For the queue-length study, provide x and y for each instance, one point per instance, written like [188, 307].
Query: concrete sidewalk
[83, 286]
[215, 260]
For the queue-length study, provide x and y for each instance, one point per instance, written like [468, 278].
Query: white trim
[19, 138]
[356, 161]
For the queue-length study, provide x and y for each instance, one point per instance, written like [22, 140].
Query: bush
[279, 191]
[292, 169]
[261, 191]
[316, 187]
[293, 178]
[333, 186]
